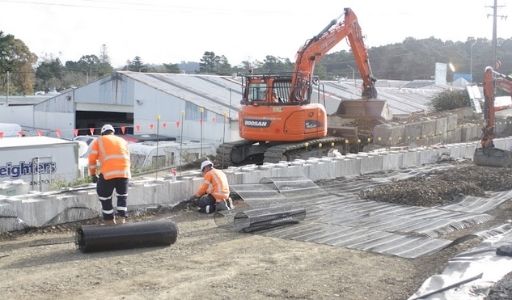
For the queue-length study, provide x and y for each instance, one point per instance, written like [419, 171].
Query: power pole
[495, 33]
[7, 93]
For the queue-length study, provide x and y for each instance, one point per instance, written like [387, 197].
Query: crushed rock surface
[440, 187]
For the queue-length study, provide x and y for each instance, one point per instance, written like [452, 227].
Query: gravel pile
[443, 186]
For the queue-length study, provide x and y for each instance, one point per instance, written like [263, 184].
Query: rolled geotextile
[93, 238]
[260, 219]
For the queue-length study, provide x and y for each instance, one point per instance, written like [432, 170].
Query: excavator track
[303, 150]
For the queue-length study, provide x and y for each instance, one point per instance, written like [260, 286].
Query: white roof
[30, 141]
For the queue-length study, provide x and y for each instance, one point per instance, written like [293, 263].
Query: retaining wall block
[388, 134]
[392, 161]
[453, 136]
[428, 128]
[451, 121]
[412, 131]
[371, 163]
[410, 158]
[441, 125]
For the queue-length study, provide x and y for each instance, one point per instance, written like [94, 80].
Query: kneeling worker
[213, 194]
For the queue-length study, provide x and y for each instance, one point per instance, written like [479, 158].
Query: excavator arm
[315, 48]
[492, 81]
[488, 155]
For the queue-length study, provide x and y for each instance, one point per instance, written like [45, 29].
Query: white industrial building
[195, 107]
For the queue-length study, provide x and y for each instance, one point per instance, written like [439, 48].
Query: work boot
[109, 222]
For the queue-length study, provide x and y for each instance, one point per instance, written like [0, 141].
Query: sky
[169, 31]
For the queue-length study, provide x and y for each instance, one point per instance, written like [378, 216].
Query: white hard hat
[107, 127]
[206, 163]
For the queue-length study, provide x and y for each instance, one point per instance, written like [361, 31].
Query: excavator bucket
[492, 157]
[377, 110]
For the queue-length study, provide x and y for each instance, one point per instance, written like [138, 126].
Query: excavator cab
[272, 112]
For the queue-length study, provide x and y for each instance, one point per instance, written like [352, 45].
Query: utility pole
[7, 93]
[495, 33]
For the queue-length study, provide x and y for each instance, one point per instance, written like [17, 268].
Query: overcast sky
[161, 31]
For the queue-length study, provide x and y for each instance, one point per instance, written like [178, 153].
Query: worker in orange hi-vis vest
[114, 159]
[213, 194]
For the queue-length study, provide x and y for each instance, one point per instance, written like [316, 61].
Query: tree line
[22, 72]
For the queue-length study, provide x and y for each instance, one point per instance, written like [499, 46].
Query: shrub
[450, 100]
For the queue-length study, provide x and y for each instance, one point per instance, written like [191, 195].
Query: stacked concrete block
[136, 195]
[412, 131]
[288, 170]
[351, 166]
[469, 150]
[453, 136]
[428, 156]
[451, 122]
[315, 169]
[371, 162]
[388, 134]
[10, 220]
[429, 128]
[441, 125]
[392, 160]
[329, 167]
[410, 158]
[470, 132]
[457, 151]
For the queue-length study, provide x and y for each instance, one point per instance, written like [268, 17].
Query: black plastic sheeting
[93, 238]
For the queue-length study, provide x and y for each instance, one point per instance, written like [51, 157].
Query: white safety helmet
[205, 164]
[107, 127]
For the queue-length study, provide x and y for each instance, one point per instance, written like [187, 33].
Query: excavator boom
[488, 154]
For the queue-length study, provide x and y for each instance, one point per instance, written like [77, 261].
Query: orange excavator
[487, 154]
[278, 119]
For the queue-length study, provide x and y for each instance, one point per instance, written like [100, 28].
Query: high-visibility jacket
[113, 156]
[216, 184]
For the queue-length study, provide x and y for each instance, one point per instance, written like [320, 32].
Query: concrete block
[412, 131]
[329, 171]
[456, 151]
[441, 125]
[451, 121]
[427, 156]
[410, 158]
[371, 163]
[392, 161]
[453, 136]
[428, 128]
[9, 220]
[388, 134]
[436, 139]
[352, 166]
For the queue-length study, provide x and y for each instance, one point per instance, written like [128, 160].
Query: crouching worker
[213, 194]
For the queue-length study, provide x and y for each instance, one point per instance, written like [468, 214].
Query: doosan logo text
[257, 123]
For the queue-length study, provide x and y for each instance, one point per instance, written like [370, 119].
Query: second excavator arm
[492, 80]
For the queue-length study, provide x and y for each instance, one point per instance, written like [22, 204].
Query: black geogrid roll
[93, 238]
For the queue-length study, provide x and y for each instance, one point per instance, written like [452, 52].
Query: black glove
[94, 179]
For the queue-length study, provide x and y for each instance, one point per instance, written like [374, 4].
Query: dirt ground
[208, 262]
